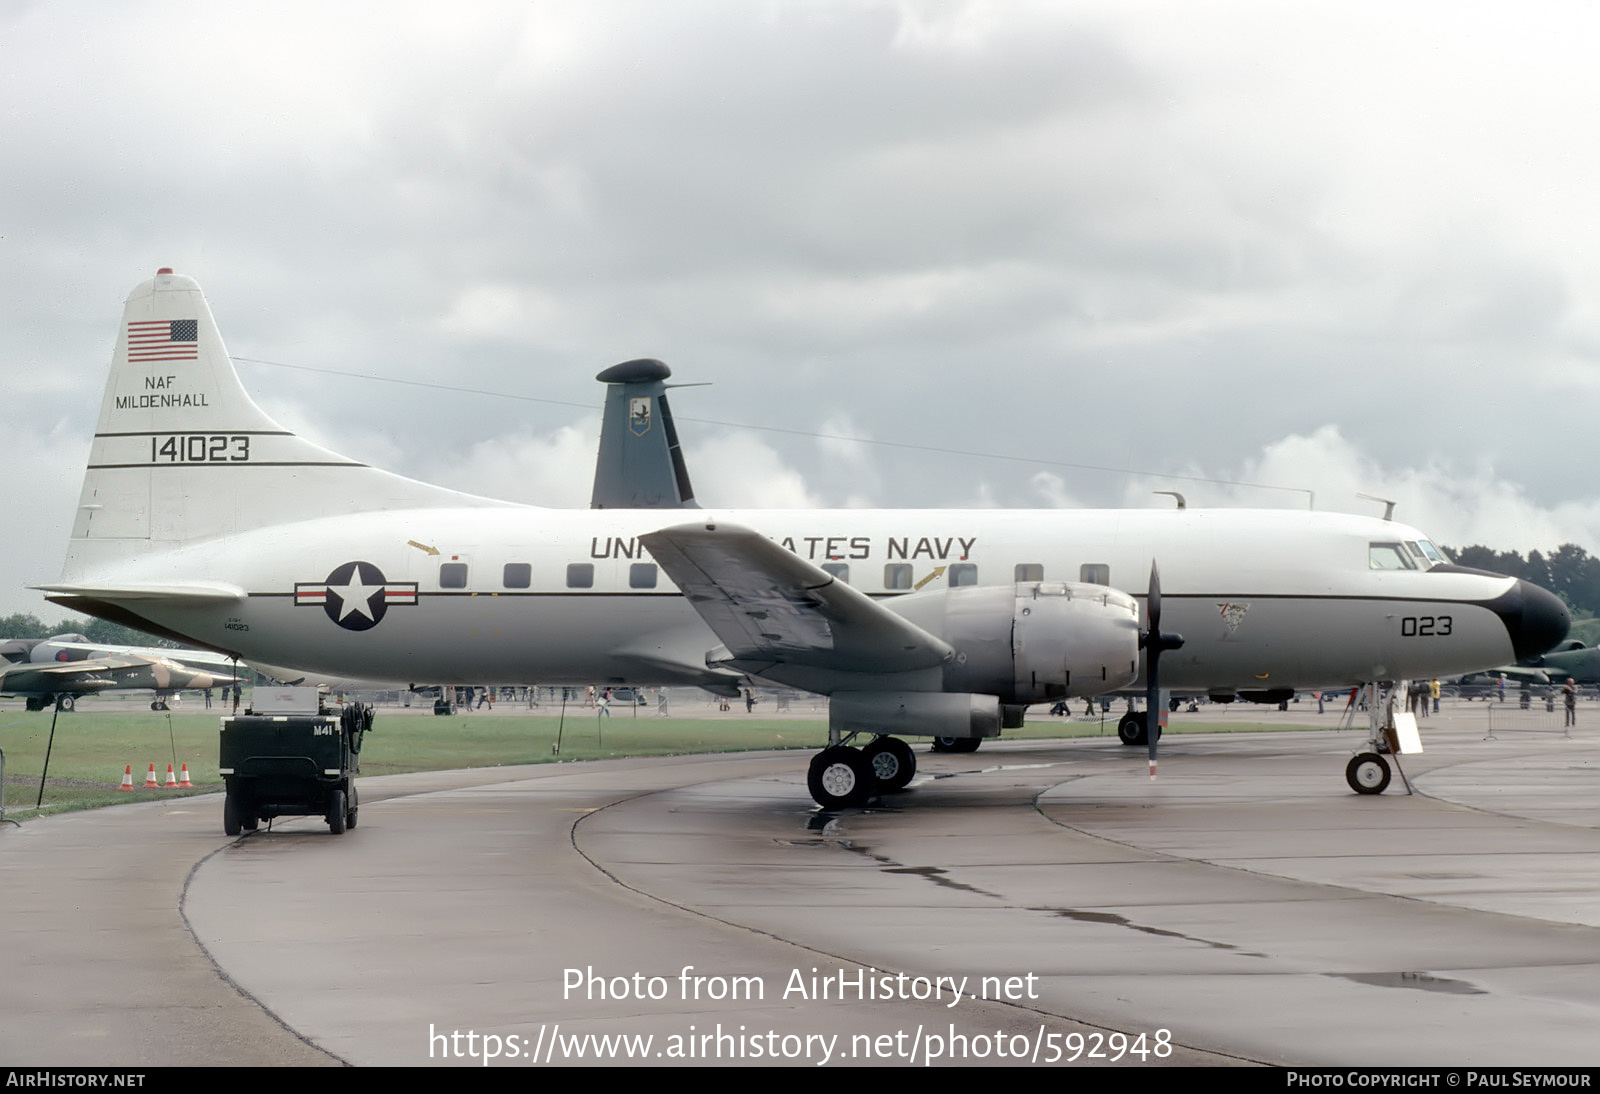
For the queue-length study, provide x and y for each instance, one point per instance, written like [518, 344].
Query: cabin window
[963, 573]
[1095, 573]
[897, 575]
[1388, 556]
[453, 575]
[642, 575]
[518, 575]
[840, 570]
[580, 575]
[1030, 571]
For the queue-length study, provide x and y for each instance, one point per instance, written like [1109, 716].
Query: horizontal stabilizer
[198, 592]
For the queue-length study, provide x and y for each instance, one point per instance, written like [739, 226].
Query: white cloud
[1113, 233]
[556, 471]
[44, 475]
[1454, 504]
[738, 470]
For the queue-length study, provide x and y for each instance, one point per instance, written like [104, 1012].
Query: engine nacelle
[915, 713]
[1034, 642]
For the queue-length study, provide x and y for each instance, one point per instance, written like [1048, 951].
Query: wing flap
[769, 606]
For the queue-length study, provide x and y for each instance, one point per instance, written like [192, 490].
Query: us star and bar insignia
[356, 595]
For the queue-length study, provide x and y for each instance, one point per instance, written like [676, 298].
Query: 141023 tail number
[200, 448]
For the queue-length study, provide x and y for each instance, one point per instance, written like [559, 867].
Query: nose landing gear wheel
[1367, 773]
[840, 778]
[892, 762]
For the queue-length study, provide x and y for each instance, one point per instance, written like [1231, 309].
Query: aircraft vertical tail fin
[640, 464]
[181, 453]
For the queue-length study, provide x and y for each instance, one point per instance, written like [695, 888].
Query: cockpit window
[1433, 552]
[1388, 556]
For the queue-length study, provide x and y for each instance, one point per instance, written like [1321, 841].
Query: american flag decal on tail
[163, 340]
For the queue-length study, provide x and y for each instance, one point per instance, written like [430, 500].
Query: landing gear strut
[1368, 771]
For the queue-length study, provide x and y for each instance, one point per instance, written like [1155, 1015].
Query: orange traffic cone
[183, 779]
[172, 780]
[150, 779]
[127, 777]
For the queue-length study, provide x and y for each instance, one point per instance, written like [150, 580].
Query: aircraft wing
[73, 676]
[769, 606]
[189, 659]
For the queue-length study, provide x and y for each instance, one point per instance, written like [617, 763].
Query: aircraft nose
[1535, 618]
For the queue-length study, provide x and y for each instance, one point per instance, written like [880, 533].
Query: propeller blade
[1155, 643]
[1153, 598]
[1152, 667]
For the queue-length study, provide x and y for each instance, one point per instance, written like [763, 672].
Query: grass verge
[91, 748]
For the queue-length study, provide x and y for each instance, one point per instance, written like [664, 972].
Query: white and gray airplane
[203, 518]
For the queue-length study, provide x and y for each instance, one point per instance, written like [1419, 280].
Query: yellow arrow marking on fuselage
[937, 570]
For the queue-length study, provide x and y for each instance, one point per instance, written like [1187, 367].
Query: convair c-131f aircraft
[202, 518]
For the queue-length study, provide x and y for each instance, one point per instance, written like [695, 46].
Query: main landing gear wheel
[841, 777]
[1367, 773]
[1131, 729]
[65, 702]
[956, 744]
[892, 762]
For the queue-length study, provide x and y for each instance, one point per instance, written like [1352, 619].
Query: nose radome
[1535, 618]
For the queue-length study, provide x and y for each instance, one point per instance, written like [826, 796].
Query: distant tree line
[26, 625]
[1569, 571]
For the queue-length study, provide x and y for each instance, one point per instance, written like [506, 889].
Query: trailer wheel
[232, 820]
[336, 815]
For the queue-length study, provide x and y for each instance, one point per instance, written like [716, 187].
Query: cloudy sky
[934, 254]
